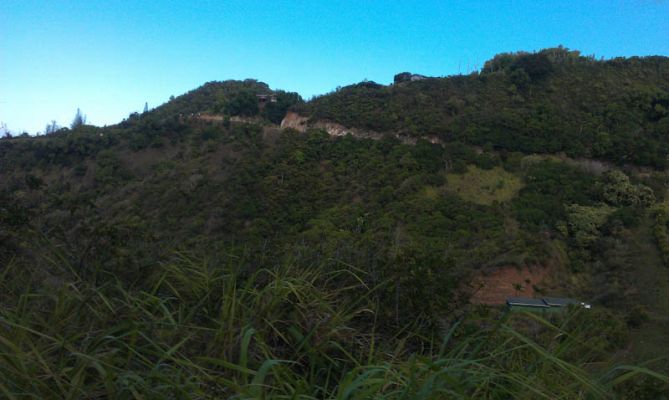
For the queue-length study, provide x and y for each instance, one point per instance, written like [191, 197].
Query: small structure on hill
[408, 77]
[545, 304]
[263, 99]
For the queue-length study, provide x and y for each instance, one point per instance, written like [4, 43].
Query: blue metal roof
[545, 302]
[559, 302]
[526, 301]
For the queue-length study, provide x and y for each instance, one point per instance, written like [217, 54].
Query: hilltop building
[263, 99]
[408, 77]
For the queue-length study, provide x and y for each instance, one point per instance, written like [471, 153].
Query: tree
[619, 191]
[536, 66]
[275, 111]
[146, 108]
[402, 77]
[584, 222]
[51, 127]
[79, 120]
[4, 131]
[244, 103]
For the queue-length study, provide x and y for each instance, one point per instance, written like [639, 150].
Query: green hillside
[175, 256]
[552, 101]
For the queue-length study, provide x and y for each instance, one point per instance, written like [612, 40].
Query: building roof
[526, 301]
[545, 302]
[559, 302]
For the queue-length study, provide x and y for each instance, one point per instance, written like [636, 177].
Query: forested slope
[551, 101]
[172, 243]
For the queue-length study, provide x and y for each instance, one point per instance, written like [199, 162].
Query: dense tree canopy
[552, 101]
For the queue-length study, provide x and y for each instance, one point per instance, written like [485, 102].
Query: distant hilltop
[551, 101]
[408, 77]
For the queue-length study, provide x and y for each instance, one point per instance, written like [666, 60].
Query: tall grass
[201, 329]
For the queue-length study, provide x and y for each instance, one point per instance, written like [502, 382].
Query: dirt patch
[496, 286]
[295, 121]
[210, 117]
[247, 120]
[220, 118]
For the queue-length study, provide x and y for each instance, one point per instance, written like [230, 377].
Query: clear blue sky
[109, 57]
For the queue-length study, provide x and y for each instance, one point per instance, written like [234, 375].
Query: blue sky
[109, 57]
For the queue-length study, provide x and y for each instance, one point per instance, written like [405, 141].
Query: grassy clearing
[483, 186]
[202, 329]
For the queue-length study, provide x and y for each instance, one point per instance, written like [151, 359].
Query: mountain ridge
[614, 110]
[410, 193]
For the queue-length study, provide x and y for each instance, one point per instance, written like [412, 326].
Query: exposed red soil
[496, 286]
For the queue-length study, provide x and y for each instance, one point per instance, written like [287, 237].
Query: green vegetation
[547, 102]
[174, 256]
[661, 235]
[201, 328]
[228, 98]
[484, 186]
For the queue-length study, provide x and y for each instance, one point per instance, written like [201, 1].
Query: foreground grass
[196, 329]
